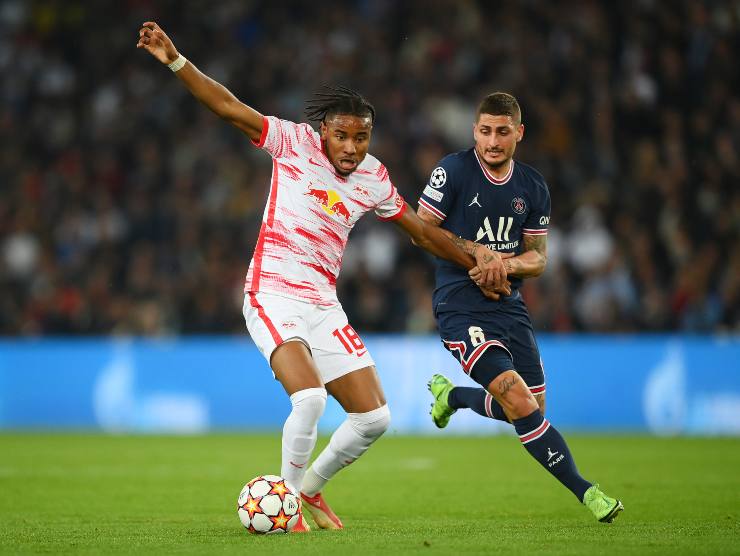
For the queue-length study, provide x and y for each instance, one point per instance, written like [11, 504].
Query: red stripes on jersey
[539, 389]
[263, 316]
[490, 177]
[263, 136]
[468, 362]
[435, 211]
[266, 224]
[534, 232]
[396, 216]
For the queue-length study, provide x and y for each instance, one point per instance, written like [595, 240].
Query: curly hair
[338, 99]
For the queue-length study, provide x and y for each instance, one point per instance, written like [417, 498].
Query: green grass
[89, 494]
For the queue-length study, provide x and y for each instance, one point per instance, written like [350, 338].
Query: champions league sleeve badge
[438, 177]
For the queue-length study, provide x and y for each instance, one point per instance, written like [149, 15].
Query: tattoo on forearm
[512, 266]
[462, 244]
[536, 243]
[532, 260]
[506, 385]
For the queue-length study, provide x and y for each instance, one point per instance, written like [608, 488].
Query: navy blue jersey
[475, 205]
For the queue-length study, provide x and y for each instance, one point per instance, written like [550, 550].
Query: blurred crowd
[127, 207]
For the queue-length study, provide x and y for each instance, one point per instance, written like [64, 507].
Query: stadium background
[128, 215]
[129, 210]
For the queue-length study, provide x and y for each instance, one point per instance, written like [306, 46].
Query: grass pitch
[91, 494]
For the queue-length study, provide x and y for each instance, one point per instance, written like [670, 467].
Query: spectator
[634, 118]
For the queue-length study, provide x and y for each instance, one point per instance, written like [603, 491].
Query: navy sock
[546, 445]
[478, 400]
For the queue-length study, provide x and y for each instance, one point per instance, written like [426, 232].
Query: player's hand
[157, 43]
[496, 293]
[491, 266]
[477, 274]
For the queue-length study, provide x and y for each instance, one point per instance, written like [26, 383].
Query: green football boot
[440, 387]
[605, 509]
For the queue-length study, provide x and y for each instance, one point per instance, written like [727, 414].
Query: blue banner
[658, 384]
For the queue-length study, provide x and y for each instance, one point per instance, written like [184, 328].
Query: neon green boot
[440, 387]
[605, 509]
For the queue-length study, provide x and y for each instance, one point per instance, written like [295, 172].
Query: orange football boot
[321, 512]
[301, 526]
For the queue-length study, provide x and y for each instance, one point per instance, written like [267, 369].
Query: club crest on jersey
[438, 177]
[518, 205]
[331, 202]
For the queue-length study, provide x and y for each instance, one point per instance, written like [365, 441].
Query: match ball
[267, 504]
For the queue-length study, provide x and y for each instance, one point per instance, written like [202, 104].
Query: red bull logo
[331, 202]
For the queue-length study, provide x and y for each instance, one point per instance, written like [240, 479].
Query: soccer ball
[267, 504]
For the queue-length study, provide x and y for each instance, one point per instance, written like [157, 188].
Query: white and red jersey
[310, 212]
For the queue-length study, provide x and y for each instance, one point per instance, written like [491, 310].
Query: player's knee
[371, 424]
[309, 403]
[523, 406]
[510, 390]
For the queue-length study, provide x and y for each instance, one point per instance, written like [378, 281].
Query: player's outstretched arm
[211, 93]
[489, 263]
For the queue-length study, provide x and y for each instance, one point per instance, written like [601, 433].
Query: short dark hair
[332, 100]
[500, 104]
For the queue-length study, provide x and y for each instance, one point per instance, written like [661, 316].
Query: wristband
[178, 63]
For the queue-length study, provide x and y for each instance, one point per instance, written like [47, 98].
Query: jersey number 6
[476, 335]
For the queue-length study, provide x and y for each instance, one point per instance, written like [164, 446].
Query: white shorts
[336, 348]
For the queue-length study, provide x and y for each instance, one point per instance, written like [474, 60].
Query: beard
[499, 163]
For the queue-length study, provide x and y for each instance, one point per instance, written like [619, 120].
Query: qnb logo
[544, 220]
[331, 202]
[502, 231]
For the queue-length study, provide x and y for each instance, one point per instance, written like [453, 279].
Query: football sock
[299, 433]
[352, 439]
[478, 400]
[545, 444]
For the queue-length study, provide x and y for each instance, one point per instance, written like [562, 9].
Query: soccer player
[482, 196]
[322, 183]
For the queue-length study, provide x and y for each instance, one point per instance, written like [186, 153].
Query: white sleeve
[280, 137]
[392, 207]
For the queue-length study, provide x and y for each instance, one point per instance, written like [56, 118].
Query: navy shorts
[488, 343]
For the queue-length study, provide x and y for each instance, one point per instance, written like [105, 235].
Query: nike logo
[361, 353]
[299, 466]
[311, 160]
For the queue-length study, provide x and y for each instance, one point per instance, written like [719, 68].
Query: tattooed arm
[532, 261]
[489, 263]
[529, 264]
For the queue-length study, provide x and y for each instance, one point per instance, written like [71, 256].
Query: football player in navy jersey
[483, 196]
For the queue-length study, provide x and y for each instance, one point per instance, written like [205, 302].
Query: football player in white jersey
[322, 182]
